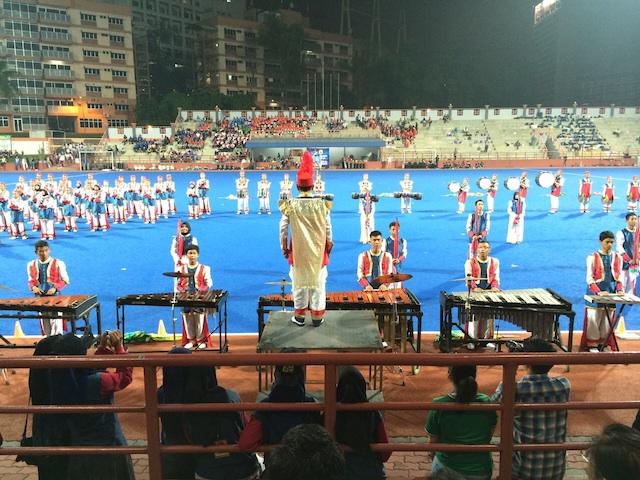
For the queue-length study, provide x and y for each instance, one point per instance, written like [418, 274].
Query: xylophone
[214, 302]
[536, 310]
[68, 307]
[384, 304]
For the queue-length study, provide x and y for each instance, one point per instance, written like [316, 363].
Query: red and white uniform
[556, 191]
[524, 186]
[491, 193]
[195, 329]
[56, 277]
[170, 188]
[406, 186]
[242, 193]
[193, 202]
[489, 270]
[585, 194]
[633, 194]
[607, 195]
[264, 196]
[462, 195]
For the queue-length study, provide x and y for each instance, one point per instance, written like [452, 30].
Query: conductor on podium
[306, 245]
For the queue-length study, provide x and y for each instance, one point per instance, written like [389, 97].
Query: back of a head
[538, 345]
[615, 454]
[464, 379]
[307, 452]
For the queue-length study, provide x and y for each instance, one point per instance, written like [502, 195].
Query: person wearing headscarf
[359, 429]
[180, 242]
[269, 427]
[47, 430]
[199, 384]
[89, 386]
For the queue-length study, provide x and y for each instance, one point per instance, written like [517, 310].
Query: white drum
[484, 183]
[512, 183]
[453, 186]
[545, 179]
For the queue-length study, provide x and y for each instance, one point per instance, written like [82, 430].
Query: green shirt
[464, 427]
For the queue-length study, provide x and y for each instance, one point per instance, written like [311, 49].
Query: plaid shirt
[539, 426]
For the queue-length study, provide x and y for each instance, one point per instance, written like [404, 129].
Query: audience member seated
[199, 384]
[307, 452]
[539, 426]
[88, 386]
[614, 454]
[359, 429]
[268, 427]
[466, 427]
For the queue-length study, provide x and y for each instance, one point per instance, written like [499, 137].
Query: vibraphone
[536, 310]
[214, 303]
[384, 304]
[67, 307]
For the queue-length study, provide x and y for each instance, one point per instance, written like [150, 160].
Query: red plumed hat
[305, 173]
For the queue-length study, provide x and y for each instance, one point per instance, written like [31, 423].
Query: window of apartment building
[54, 30]
[231, 63]
[21, 29]
[163, 8]
[54, 11]
[118, 56]
[25, 67]
[60, 103]
[93, 89]
[252, 66]
[119, 73]
[92, 71]
[232, 78]
[90, 123]
[89, 36]
[116, 21]
[26, 103]
[250, 35]
[230, 48]
[135, 3]
[137, 17]
[151, 6]
[252, 80]
[54, 66]
[67, 86]
[4, 121]
[118, 122]
[23, 49]
[90, 53]
[229, 32]
[152, 20]
[27, 86]
[344, 50]
[20, 9]
[94, 106]
[122, 107]
[87, 17]
[188, 14]
[116, 38]
[328, 46]
[120, 90]
[175, 11]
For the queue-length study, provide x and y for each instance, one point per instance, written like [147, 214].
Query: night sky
[480, 51]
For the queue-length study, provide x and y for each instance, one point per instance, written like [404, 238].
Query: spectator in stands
[307, 452]
[199, 384]
[464, 427]
[268, 427]
[88, 386]
[359, 429]
[539, 426]
[614, 454]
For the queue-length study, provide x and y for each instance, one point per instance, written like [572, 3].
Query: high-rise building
[586, 51]
[71, 64]
[231, 58]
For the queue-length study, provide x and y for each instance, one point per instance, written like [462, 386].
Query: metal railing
[330, 361]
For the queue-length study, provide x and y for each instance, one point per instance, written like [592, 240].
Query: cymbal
[392, 278]
[465, 279]
[7, 288]
[281, 282]
[177, 274]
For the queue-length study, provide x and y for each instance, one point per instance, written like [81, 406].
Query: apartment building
[230, 58]
[72, 65]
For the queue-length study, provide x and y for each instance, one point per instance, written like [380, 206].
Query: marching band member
[524, 186]
[515, 229]
[149, 201]
[99, 219]
[16, 227]
[79, 200]
[491, 193]
[627, 241]
[396, 246]
[195, 331]
[180, 242]
[607, 195]
[132, 197]
[286, 186]
[118, 194]
[193, 201]
[556, 191]
[462, 195]
[405, 200]
[5, 220]
[69, 211]
[264, 195]
[162, 198]
[242, 192]
[584, 196]
[47, 206]
[478, 224]
[170, 188]
[318, 186]
[633, 193]
[203, 194]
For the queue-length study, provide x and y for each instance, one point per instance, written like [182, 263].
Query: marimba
[609, 302]
[536, 310]
[67, 307]
[384, 304]
[214, 303]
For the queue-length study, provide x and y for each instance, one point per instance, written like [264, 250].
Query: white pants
[52, 326]
[480, 329]
[555, 202]
[597, 326]
[314, 300]
[193, 324]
